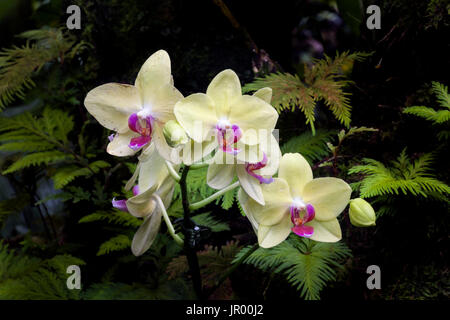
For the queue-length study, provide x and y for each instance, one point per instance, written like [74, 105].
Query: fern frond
[442, 95]
[115, 217]
[322, 81]
[205, 219]
[19, 64]
[116, 243]
[37, 158]
[312, 147]
[67, 174]
[403, 176]
[306, 265]
[23, 277]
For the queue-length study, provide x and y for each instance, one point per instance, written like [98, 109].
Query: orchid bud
[361, 213]
[174, 134]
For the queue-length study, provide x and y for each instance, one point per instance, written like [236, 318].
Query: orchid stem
[172, 172]
[170, 227]
[213, 197]
[189, 249]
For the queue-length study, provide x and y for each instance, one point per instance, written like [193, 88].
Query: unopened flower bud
[361, 213]
[174, 134]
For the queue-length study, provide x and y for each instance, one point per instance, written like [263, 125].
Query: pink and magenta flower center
[300, 215]
[252, 167]
[141, 126]
[228, 135]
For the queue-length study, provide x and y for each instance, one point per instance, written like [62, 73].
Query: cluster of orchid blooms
[230, 132]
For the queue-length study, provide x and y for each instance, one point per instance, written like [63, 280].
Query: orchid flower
[154, 189]
[295, 202]
[227, 114]
[250, 174]
[137, 113]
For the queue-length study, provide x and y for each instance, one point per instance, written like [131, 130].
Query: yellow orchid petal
[250, 184]
[326, 231]
[111, 104]
[154, 73]
[270, 236]
[273, 153]
[152, 171]
[252, 114]
[142, 205]
[296, 171]
[223, 90]
[264, 94]
[277, 200]
[329, 197]
[220, 175]
[243, 199]
[163, 101]
[193, 151]
[163, 148]
[146, 234]
[197, 115]
[119, 145]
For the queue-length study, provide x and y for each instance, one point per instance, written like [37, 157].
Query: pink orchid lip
[144, 132]
[136, 190]
[251, 167]
[300, 228]
[227, 136]
[120, 204]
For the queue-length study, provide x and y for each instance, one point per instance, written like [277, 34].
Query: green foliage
[213, 262]
[306, 264]
[19, 64]
[116, 243]
[205, 219]
[324, 80]
[117, 217]
[404, 175]
[24, 277]
[437, 117]
[44, 141]
[312, 147]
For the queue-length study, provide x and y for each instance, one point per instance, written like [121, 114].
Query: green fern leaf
[116, 243]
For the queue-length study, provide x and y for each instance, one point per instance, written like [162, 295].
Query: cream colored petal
[325, 231]
[130, 183]
[163, 102]
[165, 151]
[196, 114]
[243, 199]
[154, 74]
[142, 205]
[264, 94]
[193, 151]
[296, 171]
[223, 90]
[270, 236]
[329, 197]
[273, 153]
[248, 153]
[252, 114]
[277, 200]
[220, 175]
[152, 171]
[111, 104]
[146, 234]
[250, 184]
[119, 145]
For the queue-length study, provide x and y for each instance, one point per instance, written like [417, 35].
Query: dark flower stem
[188, 224]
